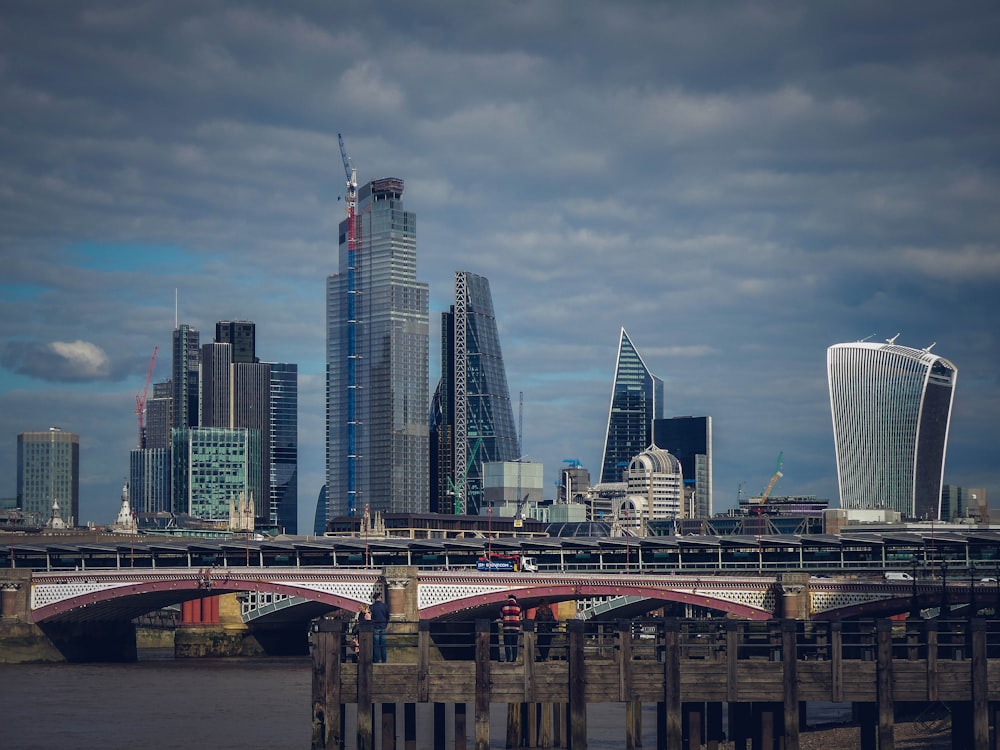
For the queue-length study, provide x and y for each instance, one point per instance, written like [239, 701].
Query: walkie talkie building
[891, 408]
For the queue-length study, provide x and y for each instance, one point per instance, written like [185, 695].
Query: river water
[162, 703]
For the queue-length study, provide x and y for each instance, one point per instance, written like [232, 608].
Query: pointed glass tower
[472, 421]
[636, 400]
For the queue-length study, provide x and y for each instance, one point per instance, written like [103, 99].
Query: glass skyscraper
[690, 440]
[376, 362]
[48, 470]
[284, 500]
[472, 422]
[636, 400]
[891, 408]
[212, 466]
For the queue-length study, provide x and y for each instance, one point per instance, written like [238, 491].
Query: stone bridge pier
[793, 603]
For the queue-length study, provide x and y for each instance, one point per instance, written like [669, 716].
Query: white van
[897, 575]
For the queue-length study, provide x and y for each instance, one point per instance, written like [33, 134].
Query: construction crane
[774, 480]
[140, 399]
[351, 202]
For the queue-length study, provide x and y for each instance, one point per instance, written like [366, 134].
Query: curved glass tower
[636, 400]
[472, 421]
[891, 408]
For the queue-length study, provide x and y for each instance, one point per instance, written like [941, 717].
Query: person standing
[544, 622]
[510, 618]
[380, 621]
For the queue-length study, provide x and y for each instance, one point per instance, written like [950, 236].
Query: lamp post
[914, 606]
[944, 588]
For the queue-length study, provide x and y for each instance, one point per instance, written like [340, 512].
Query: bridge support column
[8, 601]
[794, 596]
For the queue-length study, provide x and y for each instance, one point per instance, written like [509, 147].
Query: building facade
[636, 400]
[149, 480]
[690, 440]
[212, 467]
[655, 490]
[48, 472]
[283, 511]
[377, 362]
[891, 408]
[472, 420]
[185, 367]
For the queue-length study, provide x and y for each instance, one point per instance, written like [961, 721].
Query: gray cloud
[739, 187]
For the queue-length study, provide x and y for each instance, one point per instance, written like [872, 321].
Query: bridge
[72, 589]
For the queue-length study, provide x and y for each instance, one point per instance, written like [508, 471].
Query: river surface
[162, 703]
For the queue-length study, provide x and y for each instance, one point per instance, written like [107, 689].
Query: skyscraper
[284, 465]
[472, 422]
[891, 408]
[690, 440]
[636, 400]
[184, 365]
[376, 361]
[48, 471]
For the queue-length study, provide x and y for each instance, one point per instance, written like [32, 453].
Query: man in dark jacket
[380, 620]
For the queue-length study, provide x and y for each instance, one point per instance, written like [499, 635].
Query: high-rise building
[636, 400]
[48, 472]
[690, 440]
[283, 509]
[185, 365]
[655, 493]
[376, 362]
[891, 408]
[241, 334]
[159, 411]
[212, 467]
[149, 480]
[472, 422]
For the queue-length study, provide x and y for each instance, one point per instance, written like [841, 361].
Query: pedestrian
[380, 621]
[510, 617]
[544, 622]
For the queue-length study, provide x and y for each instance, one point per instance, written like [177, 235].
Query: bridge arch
[529, 595]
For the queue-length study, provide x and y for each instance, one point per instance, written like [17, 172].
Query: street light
[914, 607]
[944, 588]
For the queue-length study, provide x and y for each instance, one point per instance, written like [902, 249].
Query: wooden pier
[762, 673]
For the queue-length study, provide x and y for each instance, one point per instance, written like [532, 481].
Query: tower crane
[351, 202]
[140, 399]
[774, 480]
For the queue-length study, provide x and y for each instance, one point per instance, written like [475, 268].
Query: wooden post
[388, 726]
[837, 661]
[423, 660]
[577, 686]
[732, 657]
[931, 634]
[545, 728]
[409, 726]
[980, 685]
[790, 686]
[366, 729]
[886, 706]
[482, 685]
[672, 681]
[528, 627]
[632, 740]
[460, 726]
[693, 721]
[513, 726]
[327, 648]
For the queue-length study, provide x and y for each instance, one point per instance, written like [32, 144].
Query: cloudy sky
[739, 186]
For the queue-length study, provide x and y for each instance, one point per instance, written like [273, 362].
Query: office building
[636, 400]
[891, 409]
[48, 473]
[159, 415]
[184, 377]
[283, 509]
[213, 467]
[241, 335]
[377, 357]
[655, 490]
[149, 480]
[513, 484]
[472, 421]
[690, 440]
[964, 504]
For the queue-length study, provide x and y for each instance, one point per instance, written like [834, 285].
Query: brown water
[199, 704]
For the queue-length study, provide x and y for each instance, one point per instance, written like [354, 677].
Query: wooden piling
[577, 685]
[366, 728]
[790, 685]
[327, 647]
[980, 685]
[886, 707]
[672, 682]
[482, 685]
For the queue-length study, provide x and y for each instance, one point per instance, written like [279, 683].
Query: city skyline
[738, 187]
